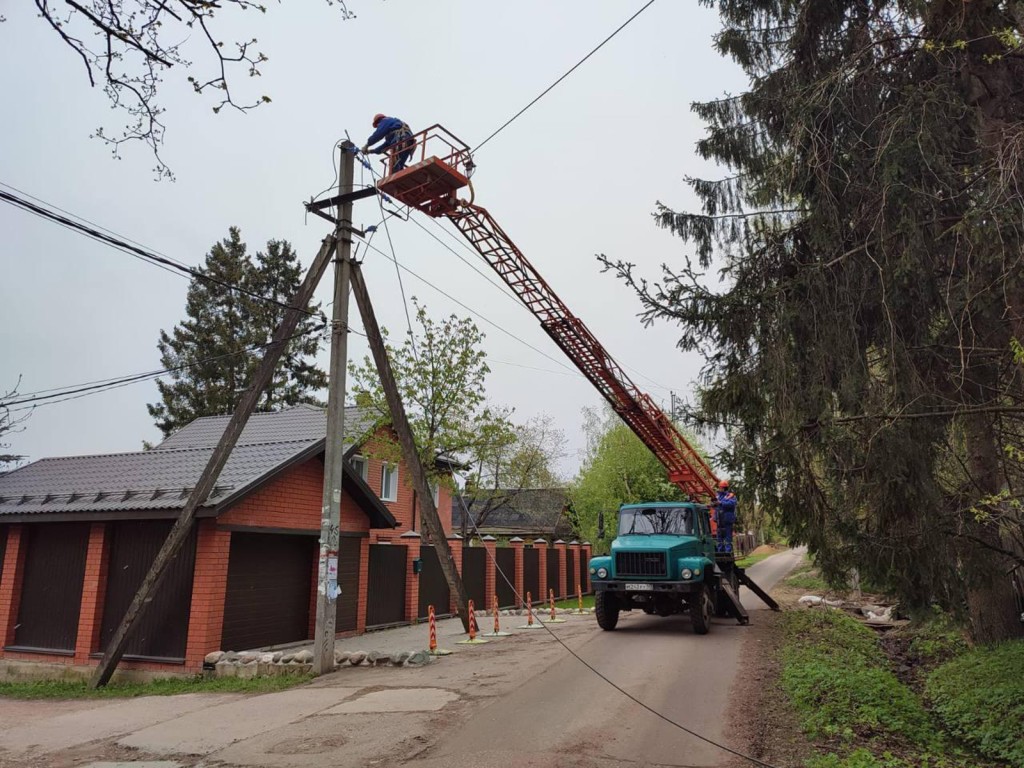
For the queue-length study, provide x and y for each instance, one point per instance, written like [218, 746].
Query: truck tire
[607, 610]
[701, 607]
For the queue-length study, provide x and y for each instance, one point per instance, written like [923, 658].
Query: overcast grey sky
[578, 174]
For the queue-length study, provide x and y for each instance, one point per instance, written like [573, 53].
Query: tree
[8, 426]
[510, 460]
[136, 42]
[213, 354]
[617, 469]
[440, 372]
[869, 236]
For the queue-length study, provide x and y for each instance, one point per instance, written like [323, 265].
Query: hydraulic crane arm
[430, 186]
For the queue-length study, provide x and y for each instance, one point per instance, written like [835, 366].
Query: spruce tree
[213, 353]
[869, 236]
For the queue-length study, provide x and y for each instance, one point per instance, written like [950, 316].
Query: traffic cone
[529, 614]
[579, 601]
[497, 623]
[434, 650]
[551, 599]
[473, 639]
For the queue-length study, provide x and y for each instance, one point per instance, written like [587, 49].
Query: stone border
[271, 664]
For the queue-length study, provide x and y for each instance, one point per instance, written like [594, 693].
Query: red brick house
[78, 534]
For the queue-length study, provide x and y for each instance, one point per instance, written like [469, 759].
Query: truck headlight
[602, 573]
[686, 573]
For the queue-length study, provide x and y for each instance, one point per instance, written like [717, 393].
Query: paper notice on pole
[332, 568]
[333, 590]
[336, 495]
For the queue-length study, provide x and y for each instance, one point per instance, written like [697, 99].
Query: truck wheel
[701, 608]
[607, 610]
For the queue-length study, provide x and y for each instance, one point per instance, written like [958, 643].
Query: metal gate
[474, 574]
[386, 585]
[570, 573]
[531, 574]
[506, 557]
[434, 588]
[553, 563]
[583, 572]
[350, 553]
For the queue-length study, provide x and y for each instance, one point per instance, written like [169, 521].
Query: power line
[574, 68]
[588, 665]
[125, 246]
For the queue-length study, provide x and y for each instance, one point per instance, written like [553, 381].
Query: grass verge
[588, 602]
[170, 686]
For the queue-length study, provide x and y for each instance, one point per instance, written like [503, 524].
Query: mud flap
[733, 601]
[749, 584]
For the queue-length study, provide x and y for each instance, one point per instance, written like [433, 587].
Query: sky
[578, 174]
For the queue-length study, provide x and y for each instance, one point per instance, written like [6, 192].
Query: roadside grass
[749, 560]
[979, 698]
[168, 686]
[806, 577]
[588, 602]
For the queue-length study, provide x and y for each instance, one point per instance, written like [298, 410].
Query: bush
[980, 698]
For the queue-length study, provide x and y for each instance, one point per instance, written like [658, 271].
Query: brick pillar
[517, 545]
[94, 589]
[412, 541]
[588, 552]
[364, 584]
[455, 545]
[561, 546]
[541, 545]
[10, 581]
[209, 589]
[490, 570]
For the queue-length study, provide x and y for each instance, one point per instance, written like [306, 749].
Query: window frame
[362, 467]
[386, 469]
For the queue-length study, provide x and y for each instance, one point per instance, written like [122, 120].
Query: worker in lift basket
[725, 516]
[398, 141]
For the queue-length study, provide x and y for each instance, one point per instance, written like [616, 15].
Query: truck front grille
[640, 564]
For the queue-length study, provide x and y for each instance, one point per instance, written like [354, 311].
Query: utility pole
[330, 520]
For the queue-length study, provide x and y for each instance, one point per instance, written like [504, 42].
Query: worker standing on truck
[725, 516]
[397, 140]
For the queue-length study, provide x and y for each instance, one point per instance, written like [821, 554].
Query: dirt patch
[312, 745]
[767, 549]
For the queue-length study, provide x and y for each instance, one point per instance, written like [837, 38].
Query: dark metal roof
[530, 509]
[147, 482]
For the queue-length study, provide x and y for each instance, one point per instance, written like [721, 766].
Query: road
[520, 702]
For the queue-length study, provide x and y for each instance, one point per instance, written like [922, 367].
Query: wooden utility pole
[183, 526]
[330, 519]
[405, 439]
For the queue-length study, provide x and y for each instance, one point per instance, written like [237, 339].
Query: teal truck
[663, 561]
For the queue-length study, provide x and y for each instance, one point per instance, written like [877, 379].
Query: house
[530, 513]
[78, 534]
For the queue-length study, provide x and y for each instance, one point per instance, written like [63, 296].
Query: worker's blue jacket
[726, 514]
[391, 129]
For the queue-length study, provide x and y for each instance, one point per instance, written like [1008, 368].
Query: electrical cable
[125, 246]
[588, 665]
[574, 68]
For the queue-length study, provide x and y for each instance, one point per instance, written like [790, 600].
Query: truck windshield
[676, 521]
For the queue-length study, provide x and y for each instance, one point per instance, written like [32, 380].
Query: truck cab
[663, 562]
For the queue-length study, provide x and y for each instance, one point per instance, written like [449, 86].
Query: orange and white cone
[497, 623]
[551, 600]
[473, 639]
[432, 618]
[529, 614]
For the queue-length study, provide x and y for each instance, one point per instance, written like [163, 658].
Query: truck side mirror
[600, 525]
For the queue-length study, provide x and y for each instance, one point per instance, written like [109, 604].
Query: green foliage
[806, 577]
[837, 679]
[936, 638]
[979, 696]
[167, 686]
[618, 469]
[440, 372]
[213, 353]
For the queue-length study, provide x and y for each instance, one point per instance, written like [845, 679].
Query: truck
[664, 561]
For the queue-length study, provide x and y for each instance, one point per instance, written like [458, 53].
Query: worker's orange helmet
[723, 484]
[377, 118]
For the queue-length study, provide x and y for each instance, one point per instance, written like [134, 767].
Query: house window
[389, 482]
[360, 465]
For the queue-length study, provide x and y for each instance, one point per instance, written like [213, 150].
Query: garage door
[349, 555]
[270, 579]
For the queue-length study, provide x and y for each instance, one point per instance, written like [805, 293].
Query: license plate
[639, 587]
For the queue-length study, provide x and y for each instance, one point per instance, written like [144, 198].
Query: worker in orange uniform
[397, 138]
[725, 515]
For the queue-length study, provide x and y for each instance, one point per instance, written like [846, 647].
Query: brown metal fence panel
[51, 588]
[349, 557]
[162, 632]
[386, 585]
[3, 546]
[434, 589]
[506, 558]
[583, 571]
[531, 573]
[552, 573]
[570, 573]
[270, 578]
[474, 574]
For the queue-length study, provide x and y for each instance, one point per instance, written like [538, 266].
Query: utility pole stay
[183, 525]
[400, 422]
[330, 520]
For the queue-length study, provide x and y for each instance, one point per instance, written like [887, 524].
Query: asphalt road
[569, 716]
